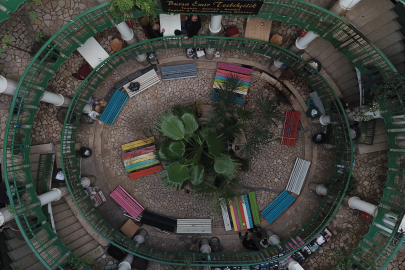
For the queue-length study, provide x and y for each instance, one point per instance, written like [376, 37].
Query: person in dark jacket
[191, 26]
[250, 244]
[152, 30]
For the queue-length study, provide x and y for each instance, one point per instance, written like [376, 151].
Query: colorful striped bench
[237, 100]
[244, 213]
[281, 203]
[140, 158]
[224, 73]
[290, 129]
[114, 107]
[234, 68]
[225, 215]
[127, 202]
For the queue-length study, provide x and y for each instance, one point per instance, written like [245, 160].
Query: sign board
[241, 7]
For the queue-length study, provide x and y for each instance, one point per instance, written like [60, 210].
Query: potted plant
[364, 113]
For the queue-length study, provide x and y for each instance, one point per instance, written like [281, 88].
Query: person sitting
[191, 26]
[152, 31]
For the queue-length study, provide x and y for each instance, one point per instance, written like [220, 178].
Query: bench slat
[225, 74]
[235, 227]
[147, 80]
[245, 212]
[248, 210]
[145, 172]
[242, 213]
[255, 210]
[138, 161]
[235, 211]
[225, 215]
[140, 164]
[234, 68]
[138, 143]
[144, 152]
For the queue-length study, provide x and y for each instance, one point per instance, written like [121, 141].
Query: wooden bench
[179, 72]
[194, 226]
[290, 129]
[114, 107]
[237, 100]
[145, 81]
[225, 215]
[127, 202]
[298, 175]
[233, 68]
[159, 221]
[281, 203]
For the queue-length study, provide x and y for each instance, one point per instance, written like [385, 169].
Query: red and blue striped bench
[127, 202]
[290, 129]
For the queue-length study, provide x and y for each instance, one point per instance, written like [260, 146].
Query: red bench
[148, 171]
[290, 129]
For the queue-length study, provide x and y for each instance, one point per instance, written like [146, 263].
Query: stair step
[42, 148]
[344, 73]
[62, 215]
[389, 40]
[86, 248]
[384, 18]
[397, 58]
[14, 243]
[314, 45]
[65, 223]
[384, 30]
[69, 229]
[353, 82]
[37, 266]
[80, 242]
[376, 147]
[9, 233]
[366, 11]
[19, 253]
[394, 49]
[332, 59]
[60, 208]
[73, 236]
[27, 262]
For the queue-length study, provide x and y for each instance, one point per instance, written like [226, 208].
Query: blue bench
[114, 107]
[237, 100]
[281, 203]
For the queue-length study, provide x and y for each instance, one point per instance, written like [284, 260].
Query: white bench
[225, 215]
[194, 226]
[298, 175]
[146, 80]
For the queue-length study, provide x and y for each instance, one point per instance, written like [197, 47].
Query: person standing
[191, 26]
[153, 31]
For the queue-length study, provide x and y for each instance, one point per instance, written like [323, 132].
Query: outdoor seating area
[289, 147]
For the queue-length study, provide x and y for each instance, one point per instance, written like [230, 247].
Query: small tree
[120, 8]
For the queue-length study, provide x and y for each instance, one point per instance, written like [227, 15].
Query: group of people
[189, 28]
[249, 242]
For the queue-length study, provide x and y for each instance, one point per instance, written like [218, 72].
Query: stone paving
[369, 169]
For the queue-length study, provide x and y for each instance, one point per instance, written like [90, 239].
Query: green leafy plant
[335, 186]
[395, 87]
[192, 152]
[78, 263]
[10, 209]
[121, 8]
[41, 37]
[16, 266]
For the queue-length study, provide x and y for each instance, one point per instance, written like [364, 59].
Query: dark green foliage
[335, 186]
[394, 88]
[122, 8]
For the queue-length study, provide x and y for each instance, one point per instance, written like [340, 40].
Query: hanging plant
[122, 8]
[364, 113]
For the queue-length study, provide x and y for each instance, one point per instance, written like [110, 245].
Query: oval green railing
[308, 232]
[75, 33]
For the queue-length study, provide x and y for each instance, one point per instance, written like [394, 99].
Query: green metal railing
[306, 234]
[42, 68]
[44, 173]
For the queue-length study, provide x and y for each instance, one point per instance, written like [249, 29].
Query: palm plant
[192, 153]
